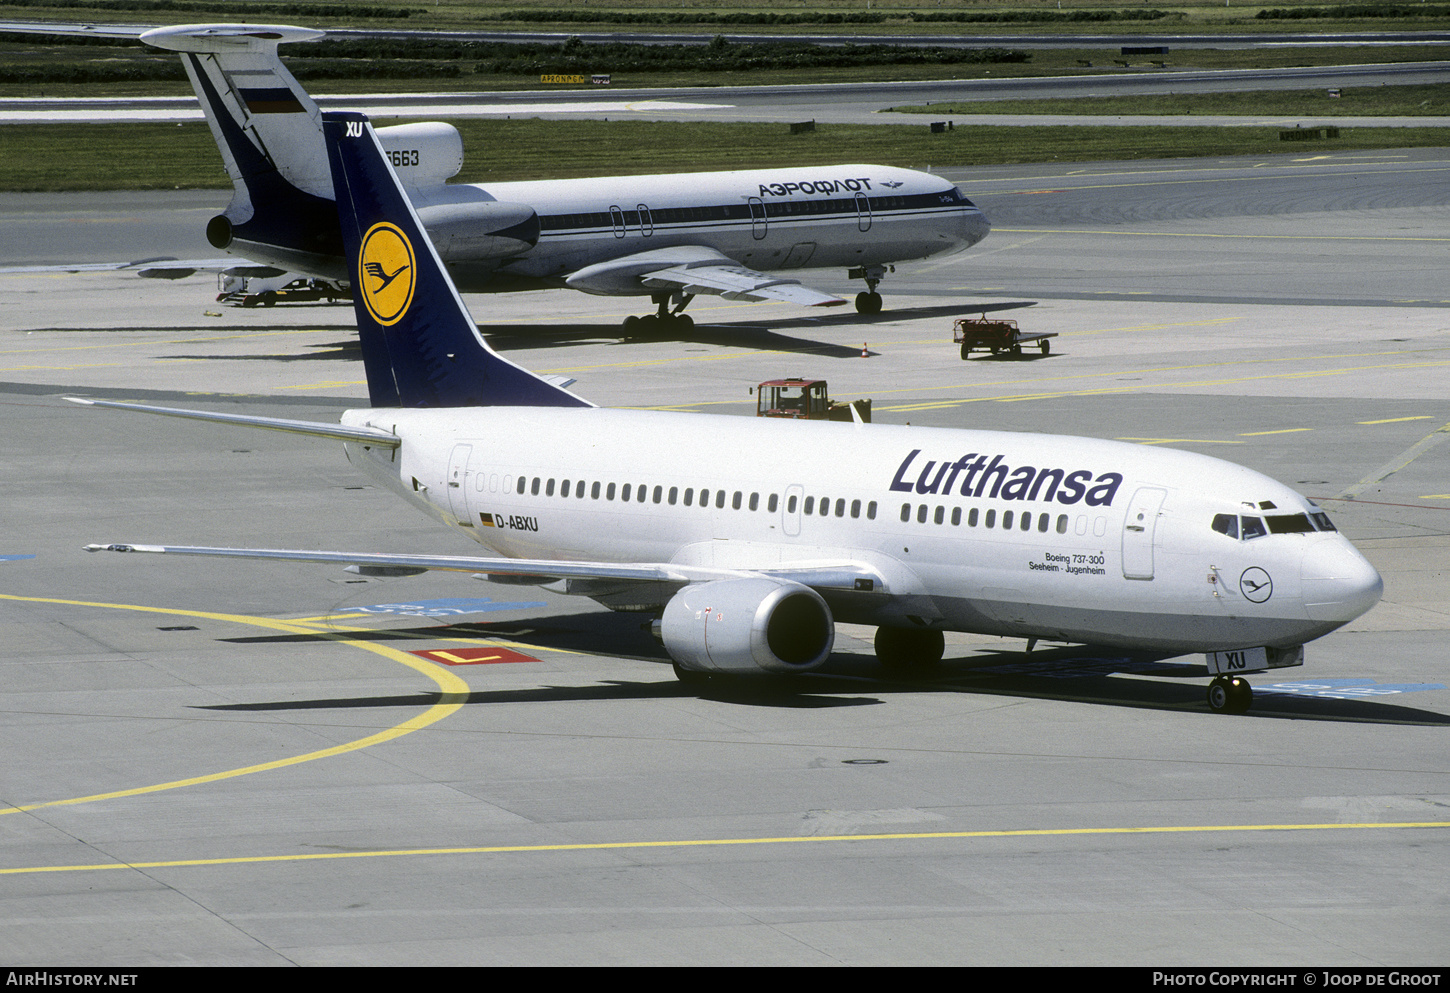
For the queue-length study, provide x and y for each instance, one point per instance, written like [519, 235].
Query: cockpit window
[1322, 521]
[1226, 524]
[1289, 524]
[1251, 527]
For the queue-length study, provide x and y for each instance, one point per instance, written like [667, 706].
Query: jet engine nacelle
[743, 626]
[427, 153]
[480, 230]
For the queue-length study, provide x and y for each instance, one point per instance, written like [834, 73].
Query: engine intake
[743, 626]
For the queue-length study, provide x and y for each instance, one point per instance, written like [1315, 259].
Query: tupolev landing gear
[665, 320]
[869, 301]
[909, 651]
[1229, 695]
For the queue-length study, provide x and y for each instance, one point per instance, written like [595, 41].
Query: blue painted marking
[1345, 689]
[15, 558]
[443, 607]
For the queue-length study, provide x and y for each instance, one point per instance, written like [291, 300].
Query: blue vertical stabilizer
[420, 345]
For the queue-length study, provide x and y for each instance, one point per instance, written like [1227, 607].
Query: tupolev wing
[694, 269]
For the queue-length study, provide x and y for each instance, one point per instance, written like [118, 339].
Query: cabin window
[810, 507]
[825, 506]
[720, 500]
[773, 503]
[658, 492]
[534, 487]
[689, 496]
[735, 501]
[1062, 524]
[704, 498]
[905, 512]
[1043, 522]
[609, 493]
[549, 489]
[855, 508]
[956, 516]
[871, 511]
[790, 504]
[508, 484]
[1026, 522]
[921, 513]
[564, 488]
[991, 521]
[754, 501]
[641, 492]
[840, 506]
[972, 518]
[674, 494]
[1007, 520]
[941, 513]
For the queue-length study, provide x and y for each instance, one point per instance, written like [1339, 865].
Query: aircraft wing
[693, 269]
[158, 268]
[834, 574]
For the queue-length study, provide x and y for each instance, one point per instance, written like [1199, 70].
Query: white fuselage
[1034, 535]
[771, 219]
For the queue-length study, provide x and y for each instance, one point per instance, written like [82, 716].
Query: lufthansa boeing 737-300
[749, 561]
[667, 237]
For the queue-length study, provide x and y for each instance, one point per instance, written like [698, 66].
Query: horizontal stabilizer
[336, 432]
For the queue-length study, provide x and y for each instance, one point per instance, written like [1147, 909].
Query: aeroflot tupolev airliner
[750, 537]
[667, 237]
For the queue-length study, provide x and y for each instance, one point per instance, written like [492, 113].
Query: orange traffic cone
[864, 353]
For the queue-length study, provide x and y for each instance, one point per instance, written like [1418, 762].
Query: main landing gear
[1229, 695]
[909, 651]
[869, 302]
[665, 320]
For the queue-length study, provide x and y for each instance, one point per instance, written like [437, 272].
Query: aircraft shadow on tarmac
[1082, 674]
[742, 334]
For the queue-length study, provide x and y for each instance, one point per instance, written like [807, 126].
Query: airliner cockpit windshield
[1246, 527]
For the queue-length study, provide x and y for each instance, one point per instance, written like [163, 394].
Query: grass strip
[1361, 101]
[56, 157]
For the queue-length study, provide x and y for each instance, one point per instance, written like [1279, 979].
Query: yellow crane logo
[386, 272]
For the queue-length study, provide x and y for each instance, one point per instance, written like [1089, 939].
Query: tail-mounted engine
[748, 626]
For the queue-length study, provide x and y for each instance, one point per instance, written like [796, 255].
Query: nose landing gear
[1229, 695]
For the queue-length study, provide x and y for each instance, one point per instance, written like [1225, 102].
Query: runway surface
[836, 103]
[250, 764]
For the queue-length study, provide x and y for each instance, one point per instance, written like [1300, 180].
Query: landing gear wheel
[1229, 695]
[909, 651]
[868, 303]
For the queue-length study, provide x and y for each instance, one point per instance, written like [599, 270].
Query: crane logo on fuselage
[386, 272]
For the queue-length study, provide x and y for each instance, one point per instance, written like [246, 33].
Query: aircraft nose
[977, 226]
[1339, 583]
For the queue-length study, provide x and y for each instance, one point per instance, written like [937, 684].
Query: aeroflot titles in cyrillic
[819, 186]
[1000, 481]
